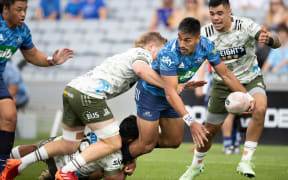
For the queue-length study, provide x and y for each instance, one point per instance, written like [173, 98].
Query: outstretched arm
[38, 58]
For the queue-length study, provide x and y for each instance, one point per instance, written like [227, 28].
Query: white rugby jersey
[114, 76]
[236, 48]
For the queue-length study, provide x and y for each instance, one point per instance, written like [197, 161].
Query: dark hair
[282, 27]
[129, 128]
[190, 25]
[215, 3]
[8, 3]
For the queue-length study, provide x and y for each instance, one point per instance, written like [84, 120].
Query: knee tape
[75, 136]
[108, 131]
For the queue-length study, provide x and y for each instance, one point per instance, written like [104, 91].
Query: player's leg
[172, 128]
[98, 117]
[215, 118]
[257, 89]
[227, 134]
[8, 119]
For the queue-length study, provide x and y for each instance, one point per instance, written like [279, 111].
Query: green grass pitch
[271, 163]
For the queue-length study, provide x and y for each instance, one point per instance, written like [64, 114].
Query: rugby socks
[15, 154]
[249, 149]
[7, 141]
[227, 142]
[198, 158]
[38, 155]
[74, 165]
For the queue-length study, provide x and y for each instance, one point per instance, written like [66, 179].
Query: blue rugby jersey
[170, 62]
[11, 40]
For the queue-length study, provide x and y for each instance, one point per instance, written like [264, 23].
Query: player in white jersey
[84, 101]
[234, 37]
[109, 167]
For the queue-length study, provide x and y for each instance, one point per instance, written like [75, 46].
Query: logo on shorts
[147, 114]
[91, 115]
[106, 112]
[116, 162]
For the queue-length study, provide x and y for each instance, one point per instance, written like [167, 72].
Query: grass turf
[169, 164]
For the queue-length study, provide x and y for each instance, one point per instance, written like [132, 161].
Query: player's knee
[147, 148]
[176, 143]
[69, 147]
[259, 113]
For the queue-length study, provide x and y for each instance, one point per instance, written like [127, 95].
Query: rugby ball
[237, 102]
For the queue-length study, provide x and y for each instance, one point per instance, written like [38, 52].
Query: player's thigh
[8, 115]
[148, 130]
[172, 128]
[81, 109]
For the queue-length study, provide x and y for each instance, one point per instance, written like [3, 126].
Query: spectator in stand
[276, 15]
[248, 4]
[278, 58]
[94, 9]
[196, 9]
[48, 9]
[164, 16]
[73, 9]
[16, 86]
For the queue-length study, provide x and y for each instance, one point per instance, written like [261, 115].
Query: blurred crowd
[75, 9]
[169, 14]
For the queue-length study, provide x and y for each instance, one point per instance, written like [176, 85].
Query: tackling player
[177, 62]
[15, 34]
[234, 37]
[84, 101]
[108, 167]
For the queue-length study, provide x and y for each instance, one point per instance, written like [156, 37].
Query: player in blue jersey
[177, 62]
[15, 34]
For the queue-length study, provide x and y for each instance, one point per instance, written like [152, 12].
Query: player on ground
[177, 62]
[108, 166]
[84, 101]
[234, 37]
[15, 34]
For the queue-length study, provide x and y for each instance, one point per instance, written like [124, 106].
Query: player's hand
[130, 167]
[60, 56]
[198, 132]
[264, 35]
[192, 84]
[251, 107]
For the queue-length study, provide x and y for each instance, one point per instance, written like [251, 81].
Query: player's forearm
[36, 57]
[276, 42]
[175, 101]
[148, 74]
[232, 82]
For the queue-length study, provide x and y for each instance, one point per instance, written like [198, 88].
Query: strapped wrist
[50, 61]
[270, 42]
[188, 119]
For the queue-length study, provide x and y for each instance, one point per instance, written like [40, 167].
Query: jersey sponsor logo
[147, 114]
[167, 60]
[7, 52]
[91, 115]
[19, 40]
[185, 76]
[117, 162]
[232, 53]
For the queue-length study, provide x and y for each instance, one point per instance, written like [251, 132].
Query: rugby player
[234, 38]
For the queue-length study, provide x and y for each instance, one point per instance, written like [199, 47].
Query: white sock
[198, 158]
[74, 165]
[38, 155]
[15, 154]
[249, 149]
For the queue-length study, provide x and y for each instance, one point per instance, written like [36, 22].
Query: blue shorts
[4, 93]
[151, 107]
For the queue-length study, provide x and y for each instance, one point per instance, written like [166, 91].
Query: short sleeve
[142, 55]
[251, 27]
[213, 55]
[27, 39]
[167, 63]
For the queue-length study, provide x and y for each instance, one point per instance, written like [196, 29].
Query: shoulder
[208, 30]
[243, 23]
